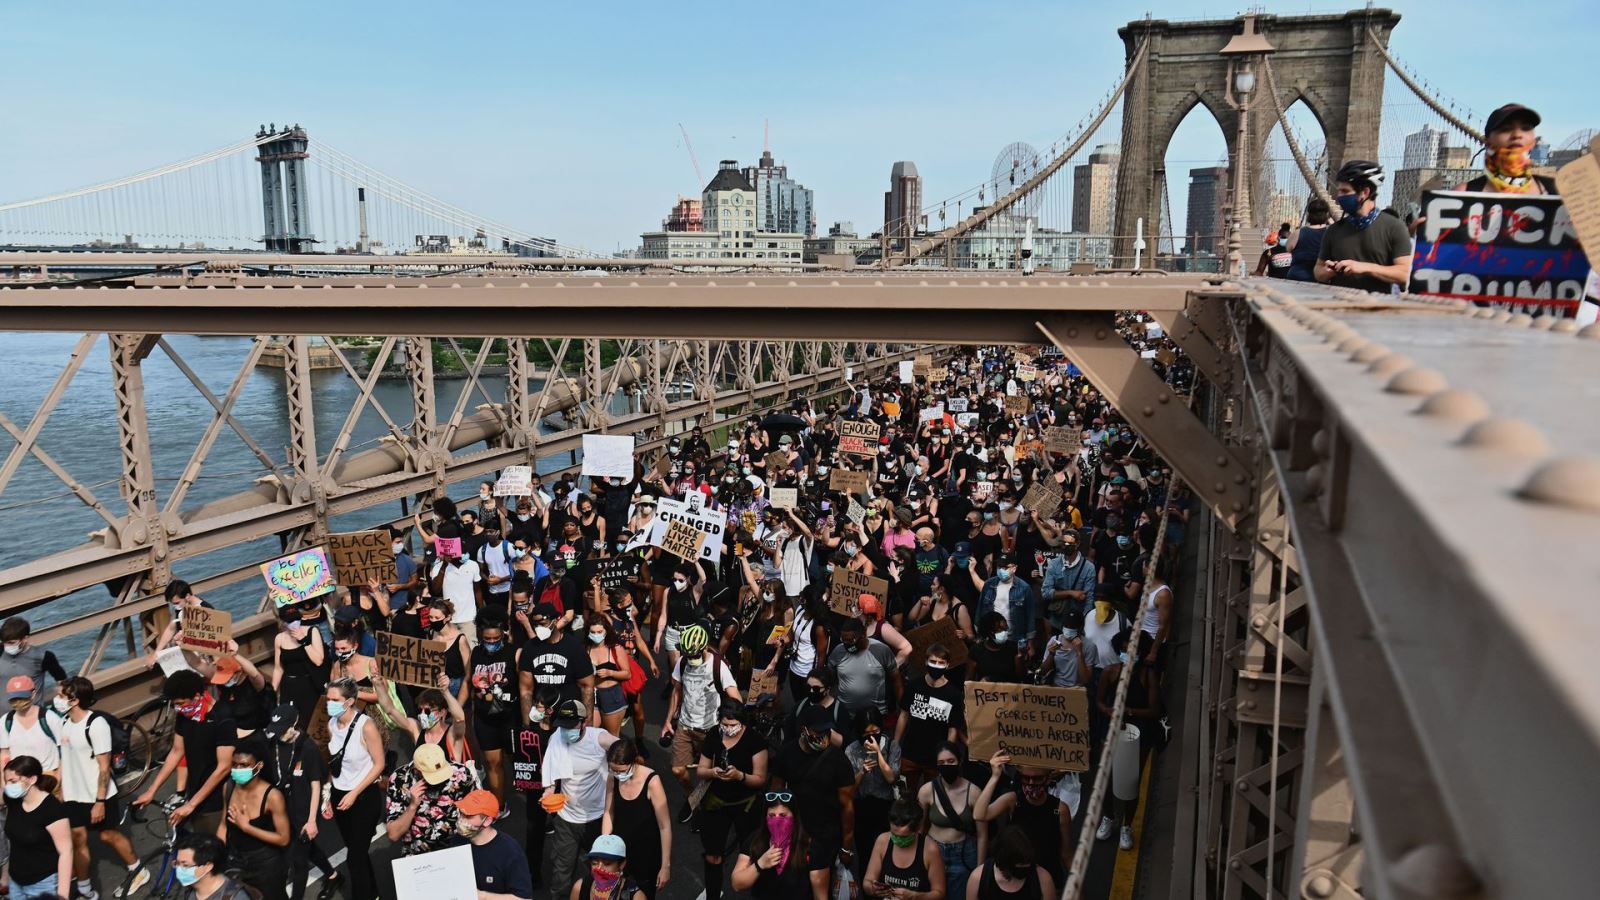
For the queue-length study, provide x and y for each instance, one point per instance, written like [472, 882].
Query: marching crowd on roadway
[814, 746]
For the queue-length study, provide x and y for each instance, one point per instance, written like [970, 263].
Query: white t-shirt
[586, 789]
[81, 742]
[18, 740]
[701, 698]
[458, 582]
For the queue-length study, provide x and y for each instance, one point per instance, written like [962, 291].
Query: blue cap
[608, 846]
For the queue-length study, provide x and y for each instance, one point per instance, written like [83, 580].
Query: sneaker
[1104, 830]
[1126, 840]
[330, 886]
[135, 883]
[91, 895]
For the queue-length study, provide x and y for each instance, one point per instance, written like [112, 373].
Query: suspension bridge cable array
[1450, 117]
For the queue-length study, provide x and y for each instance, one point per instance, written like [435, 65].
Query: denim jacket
[1058, 576]
[1022, 613]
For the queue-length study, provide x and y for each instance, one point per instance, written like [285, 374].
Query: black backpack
[120, 735]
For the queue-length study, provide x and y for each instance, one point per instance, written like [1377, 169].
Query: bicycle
[163, 878]
[144, 745]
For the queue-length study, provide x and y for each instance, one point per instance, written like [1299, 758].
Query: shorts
[492, 734]
[686, 744]
[611, 699]
[78, 815]
[824, 851]
[669, 638]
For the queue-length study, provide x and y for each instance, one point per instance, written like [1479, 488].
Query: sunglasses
[779, 797]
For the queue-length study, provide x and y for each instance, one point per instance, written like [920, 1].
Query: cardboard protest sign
[1039, 726]
[1165, 356]
[1016, 406]
[858, 438]
[940, 374]
[931, 414]
[1058, 439]
[1042, 499]
[907, 374]
[784, 498]
[362, 556]
[1027, 373]
[1505, 248]
[847, 482]
[616, 572]
[922, 362]
[409, 660]
[514, 481]
[682, 539]
[608, 455]
[982, 491]
[856, 513]
[447, 547]
[847, 586]
[762, 682]
[777, 462]
[298, 577]
[1579, 183]
[664, 465]
[939, 631]
[206, 631]
[711, 524]
[956, 404]
[527, 755]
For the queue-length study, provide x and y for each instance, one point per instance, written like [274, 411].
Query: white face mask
[542, 632]
[399, 545]
[62, 705]
[680, 585]
[13, 649]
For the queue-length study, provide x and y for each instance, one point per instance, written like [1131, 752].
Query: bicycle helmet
[692, 640]
[1360, 171]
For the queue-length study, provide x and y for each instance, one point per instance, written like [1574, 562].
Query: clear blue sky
[562, 117]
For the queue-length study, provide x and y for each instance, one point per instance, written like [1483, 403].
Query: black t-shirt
[815, 779]
[930, 714]
[995, 663]
[559, 663]
[33, 851]
[201, 740]
[1382, 242]
[717, 626]
[244, 703]
[492, 679]
[953, 520]
[741, 756]
[294, 767]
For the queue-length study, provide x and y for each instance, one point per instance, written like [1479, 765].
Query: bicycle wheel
[135, 766]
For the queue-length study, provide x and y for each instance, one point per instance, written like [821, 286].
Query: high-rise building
[1205, 229]
[1422, 148]
[902, 202]
[782, 204]
[1094, 191]
[686, 215]
[1454, 157]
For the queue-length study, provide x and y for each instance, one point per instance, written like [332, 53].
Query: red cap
[18, 687]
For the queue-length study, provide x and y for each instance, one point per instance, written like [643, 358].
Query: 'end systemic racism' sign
[1503, 248]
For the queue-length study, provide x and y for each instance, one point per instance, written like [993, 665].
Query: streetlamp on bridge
[1241, 51]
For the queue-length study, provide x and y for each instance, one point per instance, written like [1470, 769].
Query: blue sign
[1500, 248]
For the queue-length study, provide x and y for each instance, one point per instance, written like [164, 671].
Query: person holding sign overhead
[299, 663]
[1042, 816]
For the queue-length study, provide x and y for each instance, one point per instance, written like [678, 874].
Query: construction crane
[700, 178]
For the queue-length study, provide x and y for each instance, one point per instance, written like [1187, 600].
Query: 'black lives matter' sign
[409, 660]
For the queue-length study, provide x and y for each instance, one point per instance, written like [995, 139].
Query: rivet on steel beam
[1509, 435]
[1416, 380]
[1239, 479]
[1316, 478]
[1164, 398]
[1149, 411]
[1370, 353]
[1241, 786]
[1391, 365]
[1236, 506]
[1565, 326]
[1320, 884]
[1590, 331]
[1522, 319]
[1433, 870]
[1072, 332]
[1100, 334]
[1222, 461]
[1319, 442]
[1352, 344]
[1455, 404]
[1258, 622]
[1572, 481]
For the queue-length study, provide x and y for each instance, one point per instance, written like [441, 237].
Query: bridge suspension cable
[1316, 184]
[1455, 121]
[146, 175]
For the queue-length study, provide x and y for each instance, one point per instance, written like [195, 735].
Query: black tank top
[681, 608]
[913, 877]
[239, 841]
[1043, 825]
[989, 889]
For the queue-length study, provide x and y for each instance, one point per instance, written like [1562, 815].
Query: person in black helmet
[1364, 249]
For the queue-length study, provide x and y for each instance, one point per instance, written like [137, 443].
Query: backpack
[120, 739]
[44, 722]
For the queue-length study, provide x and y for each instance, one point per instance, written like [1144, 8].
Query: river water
[42, 516]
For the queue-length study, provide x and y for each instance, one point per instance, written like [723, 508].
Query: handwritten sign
[206, 631]
[785, 498]
[847, 586]
[1042, 499]
[298, 577]
[440, 875]
[858, 438]
[1579, 182]
[514, 481]
[967, 420]
[608, 455]
[664, 465]
[1059, 439]
[616, 572]
[939, 631]
[1039, 726]
[409, 660]
[1505, 248]
[172, 660]
[856, 512]
[956, 404]
[1016, 406]
[847, 482]
[1027, 373]
[694, 513]
[931, 414]
[762, 682]
[682, 539]
[939, 375]
[447, 548]
[982, 491]
[362, 556]
[907, 372]
[777, 463]
[921, 364]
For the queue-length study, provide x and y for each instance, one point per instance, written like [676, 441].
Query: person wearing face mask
[1363, 249]
[497, 557]
[37, 828]
[349, 662]
[933, 712]
[605, 877]
[679, 607]
[202, 741]
[1066, 655]
[903, 863]
[1011, 597]
[1143, 711]
[948, 801]
[612, 669]
[299, 660]
[492, 680]
[439, 625]
[420, 807]
[994, 656]
[868, 675]
[29, 729]
[623, 612]
[822, 783]
[734, 763]
[775, 864]
[498, 863]
[87, 785]
[875, 759]
[256, 828]
[1069, 579]
[1031, 806]
[355, 755]
[241, 690]
[459, 579]
[295, 765]
[575, 779]
[554, 659]
[700, 680]
[198, 867]
[636, 811]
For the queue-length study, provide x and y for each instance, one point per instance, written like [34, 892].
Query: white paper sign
[172, 660]
[933, 414]
[440, 875]
[711, 523]
[956, 404]
[967, 419]
[849, 373]
[906, 376]
[608, 455]
[514, 481]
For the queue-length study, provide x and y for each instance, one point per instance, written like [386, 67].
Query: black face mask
[818, 693]
[949, 772]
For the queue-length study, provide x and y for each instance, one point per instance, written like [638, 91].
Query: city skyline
[522, 126]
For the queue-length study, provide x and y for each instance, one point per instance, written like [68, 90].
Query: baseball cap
[609, 846]
[1006, 559]
[963, 548]
[18, 687]
[785, 440]
[227, 667]
[284, 717]
[346, 614]
[570, 712]
[478, 803]
[431, 764]
[1503, 116]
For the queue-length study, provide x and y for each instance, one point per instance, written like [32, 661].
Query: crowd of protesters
[535, 747]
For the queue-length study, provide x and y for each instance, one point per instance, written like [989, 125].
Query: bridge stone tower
[1328, 61]
[283, 189]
